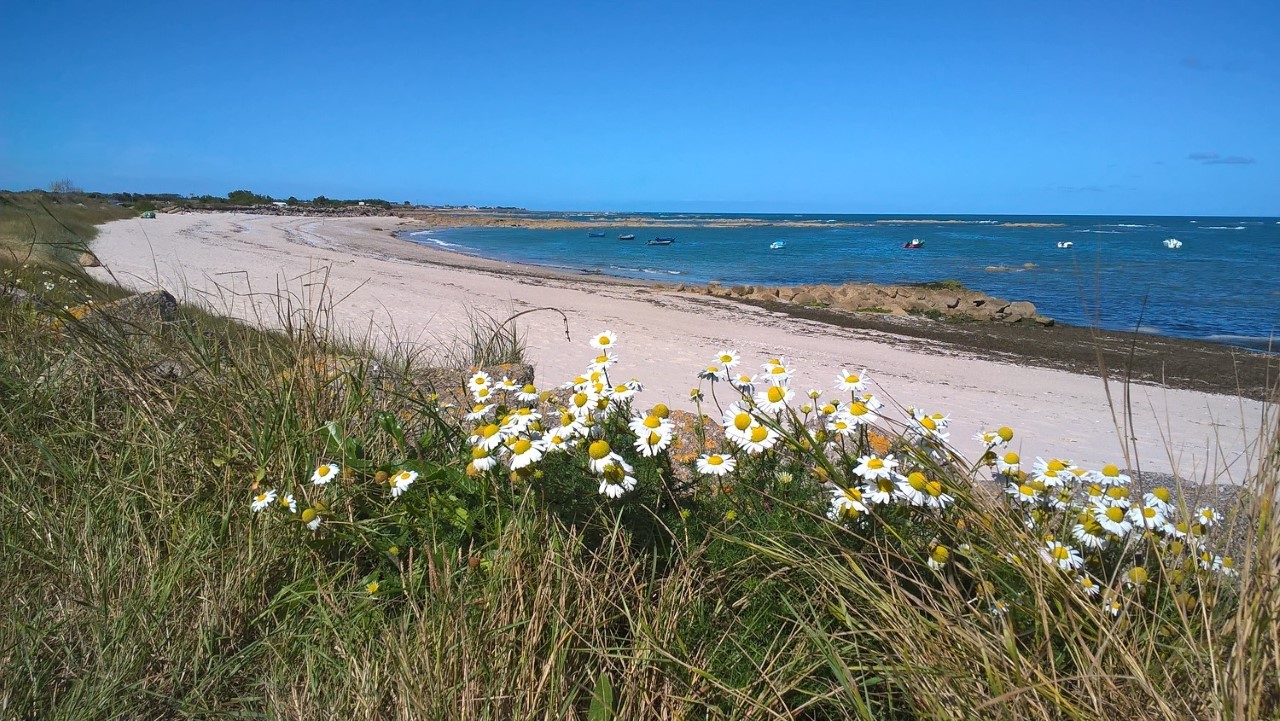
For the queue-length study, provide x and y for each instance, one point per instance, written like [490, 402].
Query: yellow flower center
[726, 358]
[1060, 553]
[1110, 471]
[603, 340]
[308, 515]
[1026, 490]
[828, 409]
[480, 380]
[1138, 575]
[851, 379]
[661, 410]
[522, 446]
[530, 388]
[857, 409]
[775, 394]
[372, 588]
[614, 474]
[261, 498]
[489, 430]
[778, 370]
[940, 554]
[1148, 512]
[742, 421]
[598, 450]
[929, 423]
[1005, 433]
[566, 419]
[1055, 466]
[284, 501]
[654, 438]
[1162, 493]
[482, 393]
[580, 399]
[715, 461]
[602, 359]
[933, 488]
[1118, 492]
[1115, 514]
[758, 434]
[875, 463]
[322, 471]
[884, 485]
[917, 480]
[652, 422]
[478, 453]
[1012, 459]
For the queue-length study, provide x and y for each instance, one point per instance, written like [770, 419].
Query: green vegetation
[202, 519]
[44, 227]
[874, 309]
[944, 285]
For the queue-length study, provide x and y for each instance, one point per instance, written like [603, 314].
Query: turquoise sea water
[1223, 284]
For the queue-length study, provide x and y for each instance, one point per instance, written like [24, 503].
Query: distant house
[360, 203]
[279, 203]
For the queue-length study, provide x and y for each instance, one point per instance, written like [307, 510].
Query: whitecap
[1224, 227]
[1148, 329]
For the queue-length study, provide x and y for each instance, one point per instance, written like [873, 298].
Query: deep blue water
[1222, 285]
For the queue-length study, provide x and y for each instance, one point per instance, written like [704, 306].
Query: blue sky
[1125, 107]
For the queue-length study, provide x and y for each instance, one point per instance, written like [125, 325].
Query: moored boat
[913, 244]
[1065, 244]
[595, 235]
[778, 245]
[628, 236]
[662, 241]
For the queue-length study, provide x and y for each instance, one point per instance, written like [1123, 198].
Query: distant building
[279, 203]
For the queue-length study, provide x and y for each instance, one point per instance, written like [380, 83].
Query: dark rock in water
[89, 260]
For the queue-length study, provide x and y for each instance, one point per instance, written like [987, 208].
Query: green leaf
[601, 700]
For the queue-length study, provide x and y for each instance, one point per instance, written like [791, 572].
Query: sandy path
[404, 293]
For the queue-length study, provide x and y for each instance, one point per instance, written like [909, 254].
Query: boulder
[804, 298]
[1045, 321]
[89, 260]
[143, 312]
[1019, 310]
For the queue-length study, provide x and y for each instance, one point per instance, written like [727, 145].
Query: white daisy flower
[527, 394]
[938, 557]
[713, 373]
[506, 384]
[743, 383]
[482, 459]
[324, 473]
[616, 478]
[652, 443]
[872, 467]
[311, 517]
[262, 500]
[1111, 476]
[851, 382]
[1161, 499]
[1061, 555]
[1089, 586]
[479, 380]
[1052, 473]
[757, 439]
[602, 362]
[859, 413]
[715, 464]
[487, 437]
[990, 439]
[524, 452]
[928, 428]
[1207, 517]
[882, 490]
[737, 421]
[1008, 463]
[846, 503]
[775, 399]
[912, 488]
[401, 481]
[1148, 517]
[482, 395]
[777, 374]
[287, 503]
[557, 443]
[728, 358]
[479, 411]
[869, 400]
[600, 455]
[841, 425]
[1023, 493]
[1113, 519]
[604, 340]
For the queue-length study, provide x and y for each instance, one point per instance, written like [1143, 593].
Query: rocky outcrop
[89, 260]
[939, 301]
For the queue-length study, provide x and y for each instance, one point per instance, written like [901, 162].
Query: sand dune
[407, 294]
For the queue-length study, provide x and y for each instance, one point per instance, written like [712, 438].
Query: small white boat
[1172, 243]
[778, 245]
[1065, 244]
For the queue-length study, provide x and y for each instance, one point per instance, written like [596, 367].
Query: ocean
[1222, 285]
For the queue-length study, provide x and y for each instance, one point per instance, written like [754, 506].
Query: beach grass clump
[293, 527]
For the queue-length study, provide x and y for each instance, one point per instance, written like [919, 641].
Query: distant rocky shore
[940, 301]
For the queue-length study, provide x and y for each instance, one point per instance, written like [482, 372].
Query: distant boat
[913, 244]
[628, 236]
[662, 241]
[1172, 243]
[778, 245]
[595, 235]
[1065, 244]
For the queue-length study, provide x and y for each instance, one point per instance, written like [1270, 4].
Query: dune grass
[136, 581]
[50, 228]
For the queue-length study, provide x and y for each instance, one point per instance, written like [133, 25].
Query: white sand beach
[401, 292]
